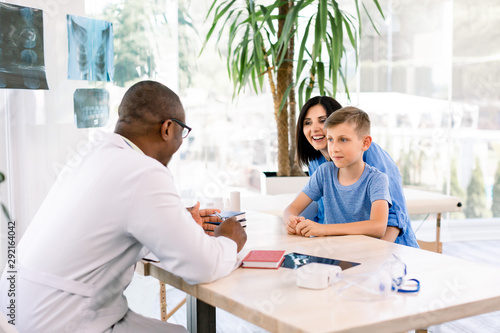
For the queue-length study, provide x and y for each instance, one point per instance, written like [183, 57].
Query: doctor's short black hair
[147, 104]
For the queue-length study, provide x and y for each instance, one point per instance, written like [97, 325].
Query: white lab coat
[78, 254]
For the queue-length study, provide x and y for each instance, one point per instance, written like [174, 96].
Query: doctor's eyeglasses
[185, 128]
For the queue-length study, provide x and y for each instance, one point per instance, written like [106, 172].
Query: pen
[220, 216]
[222, 219]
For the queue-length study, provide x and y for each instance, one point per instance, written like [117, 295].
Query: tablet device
[295, 260]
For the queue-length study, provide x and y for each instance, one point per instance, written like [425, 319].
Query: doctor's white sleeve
[157, 219]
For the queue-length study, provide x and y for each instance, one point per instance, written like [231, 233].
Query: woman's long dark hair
[306, 152]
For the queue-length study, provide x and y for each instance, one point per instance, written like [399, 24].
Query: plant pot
[270, 183]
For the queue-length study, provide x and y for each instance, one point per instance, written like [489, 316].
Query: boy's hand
[309, 228]
[291, 224]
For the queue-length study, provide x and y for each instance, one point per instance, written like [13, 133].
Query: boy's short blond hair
[355, 117]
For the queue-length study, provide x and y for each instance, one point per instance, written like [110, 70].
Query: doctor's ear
[164, 128]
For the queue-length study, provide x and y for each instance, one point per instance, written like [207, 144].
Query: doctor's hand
[232, 229]
[202, 216]
[291, 224]
[309, 228]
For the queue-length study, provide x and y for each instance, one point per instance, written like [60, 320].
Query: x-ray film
[91, 107]
[90, 49]
[22, 63]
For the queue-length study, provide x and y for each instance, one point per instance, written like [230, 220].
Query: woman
[312, 151]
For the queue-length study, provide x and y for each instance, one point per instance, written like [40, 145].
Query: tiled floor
[144, 297]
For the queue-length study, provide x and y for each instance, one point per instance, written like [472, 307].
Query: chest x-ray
[90, 49]
[22, 63]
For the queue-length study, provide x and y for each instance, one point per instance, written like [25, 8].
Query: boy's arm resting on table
[374, 227]
[291, 213]
[391, 233]
[395, 228]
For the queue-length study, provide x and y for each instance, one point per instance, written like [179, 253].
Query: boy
[356, 195]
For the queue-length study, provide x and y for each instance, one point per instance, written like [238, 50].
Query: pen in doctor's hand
[220, 216]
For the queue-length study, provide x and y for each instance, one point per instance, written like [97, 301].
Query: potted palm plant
[261, 43]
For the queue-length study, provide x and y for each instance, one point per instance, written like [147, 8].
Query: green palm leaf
[256, 48]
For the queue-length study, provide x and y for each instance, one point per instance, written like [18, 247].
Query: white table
[451, 288]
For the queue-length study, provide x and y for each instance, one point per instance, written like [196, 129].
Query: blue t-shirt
[350, 203]
[398, 212]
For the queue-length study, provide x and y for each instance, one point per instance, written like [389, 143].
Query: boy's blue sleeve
[314, 187]
[379, 188]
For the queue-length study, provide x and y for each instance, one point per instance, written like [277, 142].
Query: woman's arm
[291, 213]
[380, 159]
[374, 227]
